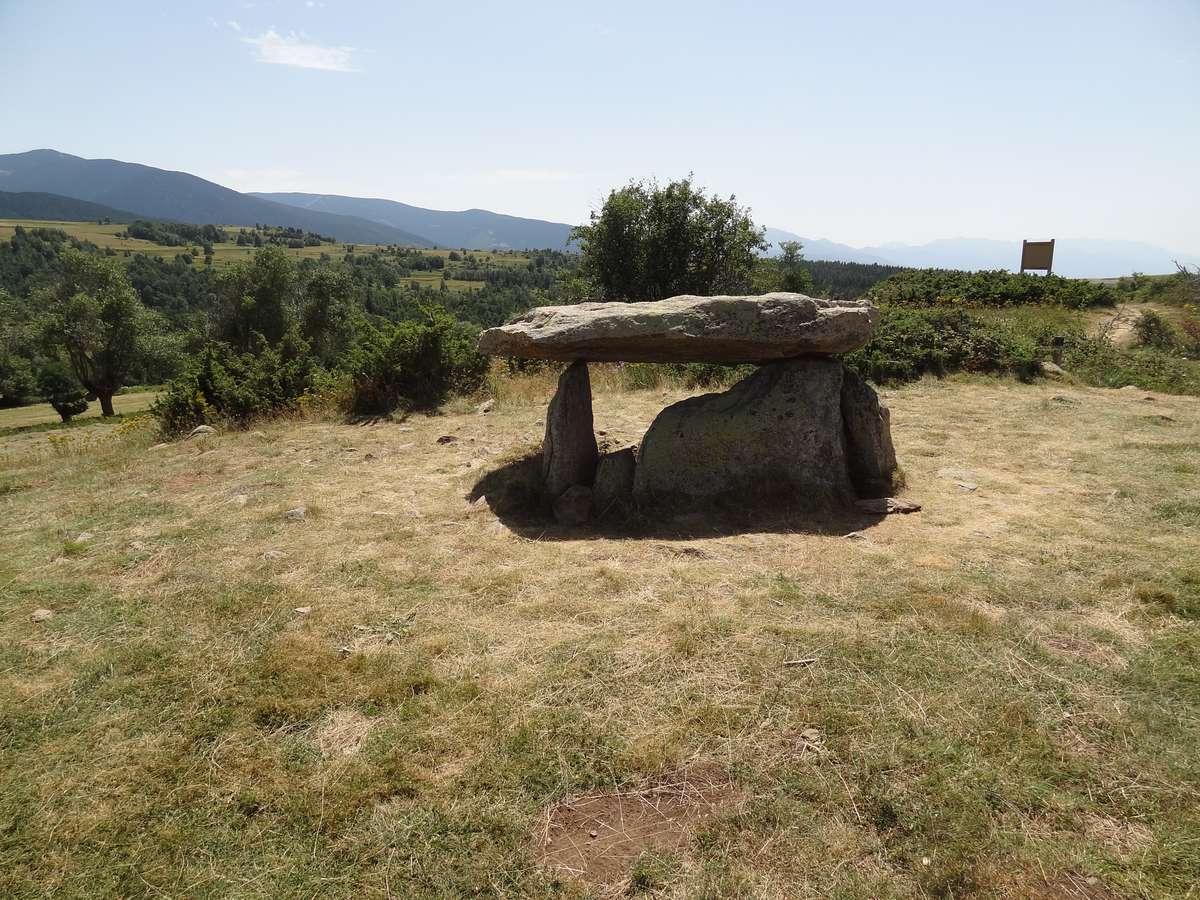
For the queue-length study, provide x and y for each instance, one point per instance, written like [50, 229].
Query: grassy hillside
[108, 236]
[42, 207]
[402, 694]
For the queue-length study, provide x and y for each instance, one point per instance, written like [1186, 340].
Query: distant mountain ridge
[49, 180]
[57, 208]
[1073, 257]
[474, 229]
[176, 196]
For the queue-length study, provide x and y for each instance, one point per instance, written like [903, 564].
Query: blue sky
[859, 122]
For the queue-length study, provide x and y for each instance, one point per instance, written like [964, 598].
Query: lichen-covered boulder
[776, 435]
[723, 329]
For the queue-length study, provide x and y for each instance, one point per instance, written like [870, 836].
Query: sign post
[1037, 255]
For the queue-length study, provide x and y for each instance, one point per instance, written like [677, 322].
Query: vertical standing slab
[870, 455]
[776, 435]
[569, 451]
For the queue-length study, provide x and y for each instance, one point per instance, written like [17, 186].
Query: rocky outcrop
[687, 329]
[777, 435]
[569, 450]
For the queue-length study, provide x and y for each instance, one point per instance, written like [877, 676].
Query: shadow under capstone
[513, 492]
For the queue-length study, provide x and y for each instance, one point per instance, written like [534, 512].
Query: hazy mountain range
[46, 184]
[475, 229]
[1073, 257]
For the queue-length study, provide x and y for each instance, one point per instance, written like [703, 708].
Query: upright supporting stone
[569, 451]
[613, 490]
[870, 455]
[776, 435]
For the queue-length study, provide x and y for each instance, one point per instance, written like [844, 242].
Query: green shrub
[1097, 362]
[1153, 330]
[414, 366]
[909, 343]
[62, 391]
[998, 288]
[224, 384]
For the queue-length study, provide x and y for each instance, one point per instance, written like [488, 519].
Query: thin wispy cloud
[233, 23]
[296, 50]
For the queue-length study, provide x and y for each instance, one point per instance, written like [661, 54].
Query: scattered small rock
[84, 537]
[574, 507]
[981, 534]
[1064, 399]
[966, 486]
[447, 439]
[856, 536]
[41, 615]
[258, 434]
[201, 431]
[1052, 368]
[303, 610]
[811, 740]
[137, 546]
[160, 446]
[296, 513]
[887, 505]
[485, 407]
[273, 554]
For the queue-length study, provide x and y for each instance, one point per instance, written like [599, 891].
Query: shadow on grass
[512, 493]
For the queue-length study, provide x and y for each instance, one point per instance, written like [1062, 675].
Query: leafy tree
[795, 277]
[328, 314]
[62, 390]
[96, 318]
[786, 272]
[648, 242]
[16, 368]
[257, 296]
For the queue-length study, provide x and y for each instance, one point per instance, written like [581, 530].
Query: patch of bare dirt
[1075, 647]
[342, 732]
[598, 837]
[1073, 887]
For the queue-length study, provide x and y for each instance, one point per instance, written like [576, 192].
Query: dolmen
[802, 430]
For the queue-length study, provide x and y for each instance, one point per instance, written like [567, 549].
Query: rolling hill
[474, 229]
[177, 196]
[56, 208]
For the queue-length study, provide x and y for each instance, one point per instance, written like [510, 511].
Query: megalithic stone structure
[802, 430]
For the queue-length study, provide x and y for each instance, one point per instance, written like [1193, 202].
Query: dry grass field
[126, 404]
[402, 694]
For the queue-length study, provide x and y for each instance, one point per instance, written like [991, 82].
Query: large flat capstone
[752, 329]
